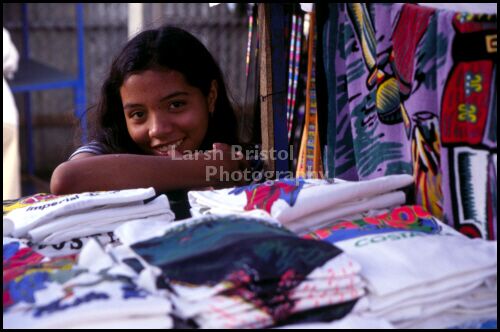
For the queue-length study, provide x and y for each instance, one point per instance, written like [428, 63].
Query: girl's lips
[165, 148]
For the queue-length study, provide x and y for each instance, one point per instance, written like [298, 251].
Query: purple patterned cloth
[416, 94]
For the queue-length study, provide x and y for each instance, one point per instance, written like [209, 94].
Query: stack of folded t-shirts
[303, 204]
[39, 292]
[65, 248]
[241, 272]
[26, 201]
[420, 272]
[72, 216]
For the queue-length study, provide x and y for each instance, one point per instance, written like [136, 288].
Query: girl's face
[164, 112]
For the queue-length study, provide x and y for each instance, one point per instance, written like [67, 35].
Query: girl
[164, 98]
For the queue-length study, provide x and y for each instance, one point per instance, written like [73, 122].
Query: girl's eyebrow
[173, 95]
[170, 96]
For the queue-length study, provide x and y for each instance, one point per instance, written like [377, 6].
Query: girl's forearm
[126, 171]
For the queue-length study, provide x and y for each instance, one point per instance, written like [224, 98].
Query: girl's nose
[160, 127]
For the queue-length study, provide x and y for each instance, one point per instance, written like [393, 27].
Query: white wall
[135, 19]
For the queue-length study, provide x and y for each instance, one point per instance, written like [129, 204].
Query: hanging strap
[296, 68]
[291, 59]
[265, 84]
[329, 55]
[249, 43]
[309, 163]
[293, 71]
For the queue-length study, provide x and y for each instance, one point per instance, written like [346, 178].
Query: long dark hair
[170, 48]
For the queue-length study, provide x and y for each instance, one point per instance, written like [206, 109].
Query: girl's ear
[212, 97]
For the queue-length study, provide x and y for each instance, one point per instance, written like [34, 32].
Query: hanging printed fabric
[309, 159]
[250, 112]
[291, 59]
[249, 42]
[293, 70]
[299, 92]
[415, 94]
[469, 122]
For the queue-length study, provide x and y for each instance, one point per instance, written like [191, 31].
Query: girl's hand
[227, 149]
[232, 162]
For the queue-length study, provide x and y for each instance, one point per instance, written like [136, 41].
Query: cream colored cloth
[11, 158]
[10, 55]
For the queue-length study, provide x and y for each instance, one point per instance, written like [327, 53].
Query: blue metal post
[80, 93]
[27, 96]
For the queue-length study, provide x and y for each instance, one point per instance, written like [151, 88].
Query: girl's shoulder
[93, 147]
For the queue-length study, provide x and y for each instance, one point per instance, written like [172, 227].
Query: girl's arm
[125, 171]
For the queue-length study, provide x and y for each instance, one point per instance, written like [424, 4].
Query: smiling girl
[164, 96]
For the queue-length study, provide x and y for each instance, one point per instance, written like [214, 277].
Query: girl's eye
[137, 115]
[176, 105]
